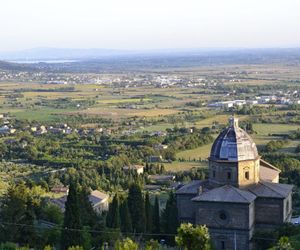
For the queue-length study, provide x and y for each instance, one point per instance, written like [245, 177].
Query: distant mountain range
[60, 54]
[109, 60]
[53, 54]
[14, 66]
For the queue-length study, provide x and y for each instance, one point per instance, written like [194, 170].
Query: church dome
[233, 144]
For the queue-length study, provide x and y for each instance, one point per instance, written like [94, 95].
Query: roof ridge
[269, 165]
[237, 190]
[226, 132]
[226, 193]
[265, 183]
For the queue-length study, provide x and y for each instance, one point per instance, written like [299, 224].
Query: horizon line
[152, 49]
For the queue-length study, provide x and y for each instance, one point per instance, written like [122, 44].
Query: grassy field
[36, 114]
[131, 100]
[107, 102]
[159, 127]
[267, 129]
[197, 153]
[123, 112]
[267, 132]
[182, 166]
[221, 119]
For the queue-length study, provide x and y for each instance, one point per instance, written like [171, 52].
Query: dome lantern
[233, 122]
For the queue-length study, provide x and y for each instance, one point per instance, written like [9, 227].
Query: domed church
[242, 192]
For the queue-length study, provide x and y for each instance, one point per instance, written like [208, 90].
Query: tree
[50, 236]
[72, 227]
[283, 244]
[88, 214]
[3, 150]
[136, 208]
[152, 245]
[113, 217]
[259, 239]
[126, 244]
[18, 209]
[8, 246]
[170, 154]
[52, 213]
[156, 217]
[170, 216]
[126, 224]
[75, 248]
[193, 238]
[148, 213]
[86, 238]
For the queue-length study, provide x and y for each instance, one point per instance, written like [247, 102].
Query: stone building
[99, 201]
[241, 194]
[139, 169]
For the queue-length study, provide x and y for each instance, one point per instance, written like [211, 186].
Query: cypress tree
[136, 207]
[156, 218]
[170, 217]
[88, 214]
[171, 222]
[126, 224]
[114, 213]
[148, 213]
[72, 234]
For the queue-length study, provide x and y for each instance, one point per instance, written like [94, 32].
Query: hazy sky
[151, 24]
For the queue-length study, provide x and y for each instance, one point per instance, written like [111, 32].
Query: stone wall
[186, 209]
[230, 239]
[218, 173]
[252, 167]
[287, 213]
[269, 211]
[225, 215]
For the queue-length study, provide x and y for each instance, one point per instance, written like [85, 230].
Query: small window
[228, 175]
[214, 173]
[223, 216]
[247, 175]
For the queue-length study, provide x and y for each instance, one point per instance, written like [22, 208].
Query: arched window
[228, 175]
[247, 175]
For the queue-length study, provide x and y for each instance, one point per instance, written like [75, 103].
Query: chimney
[200, 190]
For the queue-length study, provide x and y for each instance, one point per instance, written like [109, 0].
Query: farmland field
[183, 166]
[200, 153]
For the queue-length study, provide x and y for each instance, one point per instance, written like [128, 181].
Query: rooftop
[226, 193]
[96, 196]
[268, 172]
[191, 188]
[271, 190]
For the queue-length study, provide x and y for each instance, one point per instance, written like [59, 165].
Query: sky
[149, 24]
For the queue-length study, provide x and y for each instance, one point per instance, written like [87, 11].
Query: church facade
[242, 192]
